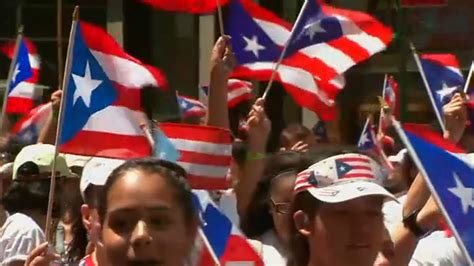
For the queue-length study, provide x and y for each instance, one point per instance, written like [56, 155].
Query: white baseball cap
[343, 177]
[96, 171]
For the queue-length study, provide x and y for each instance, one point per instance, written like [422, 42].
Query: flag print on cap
[342, 178]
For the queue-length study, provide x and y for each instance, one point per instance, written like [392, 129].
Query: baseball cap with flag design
[343, 177]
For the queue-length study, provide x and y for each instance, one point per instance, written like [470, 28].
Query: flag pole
[10, 76]
[427, 86]
[469, 77]
[65, 81]
[220, 17]
[282, 55]
[147, 131]
[59, 37]
[434, 193]
[382, 107]
[208, 246]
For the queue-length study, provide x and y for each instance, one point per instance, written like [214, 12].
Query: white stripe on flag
[236, 93]
[23, 90]
[124, 71]
[202, 147]
[294, 76]
[277, 33]
[352, 32]
[204, 170]
[116, 120]
[34, 61]
[330, 56]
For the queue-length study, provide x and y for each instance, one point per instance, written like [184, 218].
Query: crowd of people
[309, 202]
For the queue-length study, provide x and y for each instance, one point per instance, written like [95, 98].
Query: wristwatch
[410, 223]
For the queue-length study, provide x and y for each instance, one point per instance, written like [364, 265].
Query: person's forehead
[366, 201]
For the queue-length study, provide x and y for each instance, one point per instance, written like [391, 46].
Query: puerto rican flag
[29, 127]
[451, 182]
[102, 108]
[238, 91]
[337, 38]
[225, 240]
[187, 6]
[369, 144]
[390, 96]
[204, 152]
[258, 38]
[190, 107]
[444, 79]
[21, 94]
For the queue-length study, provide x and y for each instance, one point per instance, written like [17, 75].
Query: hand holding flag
[455, 117]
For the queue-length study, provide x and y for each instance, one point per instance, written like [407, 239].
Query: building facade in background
[180, 44]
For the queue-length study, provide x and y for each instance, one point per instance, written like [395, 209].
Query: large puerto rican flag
[21, 94]
[103, 112]
[204, 152]
[258, 38]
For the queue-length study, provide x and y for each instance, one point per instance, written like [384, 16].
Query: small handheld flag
[190, 107]
[204, 152]
[29, 127]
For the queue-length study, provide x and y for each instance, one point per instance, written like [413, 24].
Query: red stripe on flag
[358, 175]
[180, 131]
[105, 145]
[19, 105]
[354, 160]
[201, 158]
[303, 188]
[203, 182]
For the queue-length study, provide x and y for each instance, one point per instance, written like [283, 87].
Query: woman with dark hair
[266, 217]
[147, 215]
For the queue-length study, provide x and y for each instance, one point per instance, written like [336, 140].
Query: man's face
[348, 233]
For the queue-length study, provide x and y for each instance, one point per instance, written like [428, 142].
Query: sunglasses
[280, 207]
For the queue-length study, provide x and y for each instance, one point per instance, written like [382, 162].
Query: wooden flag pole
[59, 40]
[427, 85]
[10, 77]
[382, 107]
[220, 17]
[283, 53]
[469, 77]
[208, 246]
[65, 82]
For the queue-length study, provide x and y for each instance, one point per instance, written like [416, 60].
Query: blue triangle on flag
[249, 42]
[313, 27]
[22, 69]
[342, 168]
[93, 93]
[164, 148]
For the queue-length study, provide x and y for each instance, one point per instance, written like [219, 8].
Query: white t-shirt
[270, 249]
[433, 250]
[19, 235]
[228, 206]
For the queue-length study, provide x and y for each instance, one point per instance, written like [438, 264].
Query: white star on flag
[85, 86]
[465, 194]
[314, 28]
[253, 45]
[184, 105]
[446, 91]
[364, 139]
[16, 72]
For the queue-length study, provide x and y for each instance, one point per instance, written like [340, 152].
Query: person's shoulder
[19, 223]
